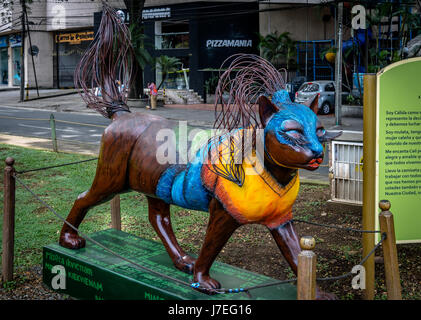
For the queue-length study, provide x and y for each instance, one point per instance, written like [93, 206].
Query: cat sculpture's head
[294, 136]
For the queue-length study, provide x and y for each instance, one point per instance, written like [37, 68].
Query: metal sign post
[369, 179]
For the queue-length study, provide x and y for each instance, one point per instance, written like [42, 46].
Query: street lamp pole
[22, 53]
[338, 67]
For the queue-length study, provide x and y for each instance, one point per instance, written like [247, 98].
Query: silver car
[325, 89]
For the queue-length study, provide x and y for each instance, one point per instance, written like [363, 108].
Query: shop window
[70, 49]
[16, 51]
[171, 35]
[175, 80]
[15, 45]
[4, 67]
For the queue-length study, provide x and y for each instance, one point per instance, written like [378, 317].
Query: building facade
[57, 32]
[199, 33]
[312, 23]
[202, 35]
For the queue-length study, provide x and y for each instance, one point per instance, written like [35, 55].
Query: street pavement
[79, 129]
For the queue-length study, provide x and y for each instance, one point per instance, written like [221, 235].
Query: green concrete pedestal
[93, 273]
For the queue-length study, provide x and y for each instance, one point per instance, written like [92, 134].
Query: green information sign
[95, 274]
[398, 147]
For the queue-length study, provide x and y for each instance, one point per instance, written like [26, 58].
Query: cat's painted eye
[295, 133]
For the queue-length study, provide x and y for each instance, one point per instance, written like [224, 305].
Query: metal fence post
[115, 213]
[53, 133]
[390, 254]
[8, 221]
[306, 274]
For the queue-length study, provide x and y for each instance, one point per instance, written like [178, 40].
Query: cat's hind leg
[159, 217]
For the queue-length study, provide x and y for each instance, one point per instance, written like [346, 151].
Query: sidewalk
[60, 100]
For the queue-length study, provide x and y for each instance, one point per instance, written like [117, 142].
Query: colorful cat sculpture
[234, 194]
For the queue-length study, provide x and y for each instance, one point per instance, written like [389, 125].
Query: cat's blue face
[293, 134]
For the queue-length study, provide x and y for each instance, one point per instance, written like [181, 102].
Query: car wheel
[325, 108]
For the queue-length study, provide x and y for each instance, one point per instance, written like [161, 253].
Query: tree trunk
[164, 77]
[135, 8]
[136, 90]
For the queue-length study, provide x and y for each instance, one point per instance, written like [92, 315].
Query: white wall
[43, 61]
[70, 14]
[295, 21]
[6, 15]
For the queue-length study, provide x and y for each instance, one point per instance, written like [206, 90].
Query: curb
[8, 89]
[54, 95]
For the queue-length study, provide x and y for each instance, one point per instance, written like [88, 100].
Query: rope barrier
[361, 262]
[184, 283]
[55, 166]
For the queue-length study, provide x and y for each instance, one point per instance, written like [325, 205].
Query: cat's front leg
[220, 228]
[289, 244]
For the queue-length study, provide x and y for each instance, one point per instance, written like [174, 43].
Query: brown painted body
[127, 161]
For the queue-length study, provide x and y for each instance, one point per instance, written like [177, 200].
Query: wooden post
[369, 180]
[53, 133]
[306, 275]
[8, 221]
[390, 254]
[115, 213]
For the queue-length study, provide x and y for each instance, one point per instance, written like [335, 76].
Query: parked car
[325, 89]
[293, 86]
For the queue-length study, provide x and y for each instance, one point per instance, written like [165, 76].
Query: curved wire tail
[105, 71]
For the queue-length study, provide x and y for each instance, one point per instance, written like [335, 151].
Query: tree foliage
[167, 65]
[279, 49]
[138, 42]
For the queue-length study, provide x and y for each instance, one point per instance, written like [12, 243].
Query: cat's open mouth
[315, 163]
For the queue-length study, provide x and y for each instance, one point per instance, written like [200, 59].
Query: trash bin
[153, 101]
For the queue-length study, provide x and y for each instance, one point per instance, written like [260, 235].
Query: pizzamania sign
[229, 43]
